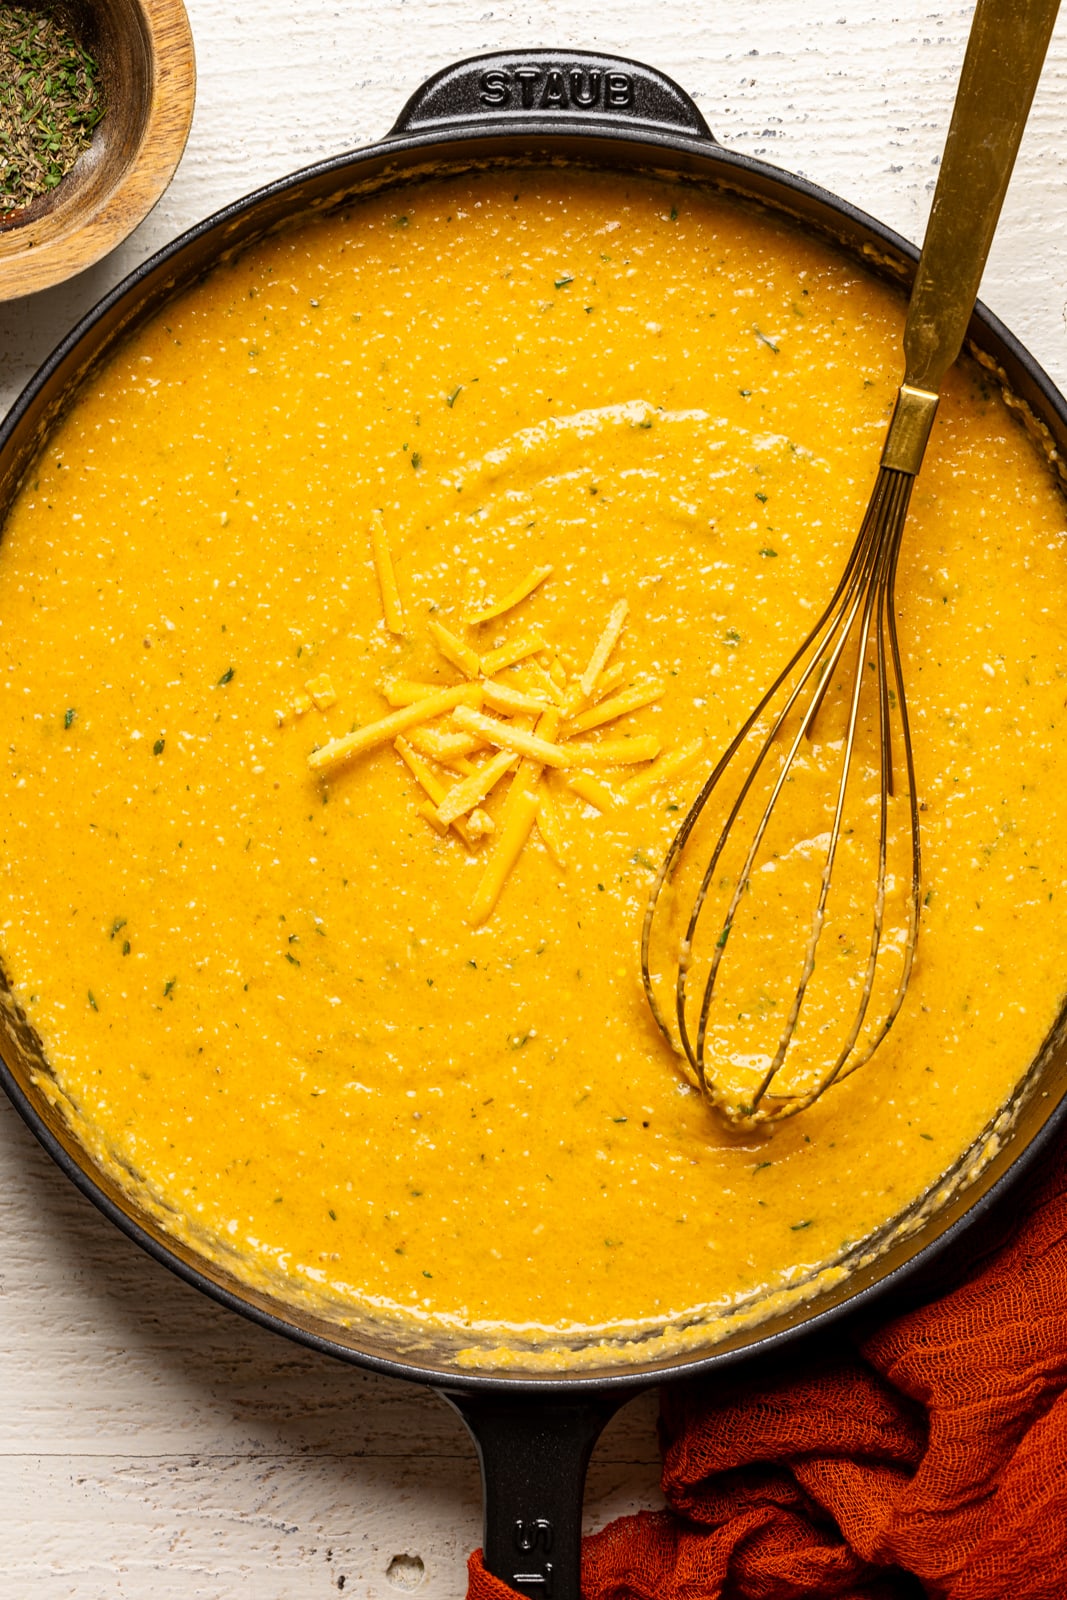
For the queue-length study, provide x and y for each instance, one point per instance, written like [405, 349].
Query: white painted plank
[205, 1526]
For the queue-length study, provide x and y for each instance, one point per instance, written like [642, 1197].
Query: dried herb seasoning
[50, 102]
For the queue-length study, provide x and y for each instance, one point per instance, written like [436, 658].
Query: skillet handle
[540, 89]
[534, 1451]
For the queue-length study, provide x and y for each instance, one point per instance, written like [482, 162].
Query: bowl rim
[82, 227]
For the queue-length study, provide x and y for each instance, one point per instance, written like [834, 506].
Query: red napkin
[929, 1457]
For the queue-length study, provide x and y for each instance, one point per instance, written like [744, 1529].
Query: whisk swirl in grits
[808, 826]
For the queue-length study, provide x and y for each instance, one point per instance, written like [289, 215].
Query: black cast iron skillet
[535, 1433]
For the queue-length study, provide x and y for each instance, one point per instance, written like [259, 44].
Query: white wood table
[150, 1443]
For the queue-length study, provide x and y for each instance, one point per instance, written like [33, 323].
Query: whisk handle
[1005, 52]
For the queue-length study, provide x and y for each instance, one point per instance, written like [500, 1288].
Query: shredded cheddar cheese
[446, 744]
[642, 694]
[446, 726]
[548, 825]
[589, 788]
[322, 691]
[338, 751]
[503, 698]
[473, 790]
[434, 788]
[506, 736]
[609, 679]
[454, 650]
[383, 566]
[604, 646]
[403, 692]
[614, 752]
[533, 678]
[506, 655]
[514, 597]
[520, 813]
[669, 765]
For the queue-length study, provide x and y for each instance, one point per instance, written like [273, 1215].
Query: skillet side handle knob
[537, 90]
[534, 1450]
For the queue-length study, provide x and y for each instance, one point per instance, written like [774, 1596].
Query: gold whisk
[760, 1063]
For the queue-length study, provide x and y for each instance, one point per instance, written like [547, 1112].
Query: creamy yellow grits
[261, 987]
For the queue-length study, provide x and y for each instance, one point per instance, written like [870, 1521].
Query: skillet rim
[581, 143]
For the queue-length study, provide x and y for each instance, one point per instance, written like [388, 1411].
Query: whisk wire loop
[860, 612]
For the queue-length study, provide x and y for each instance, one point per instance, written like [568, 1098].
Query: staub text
[557, 88]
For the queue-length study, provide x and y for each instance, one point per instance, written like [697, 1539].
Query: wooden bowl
[144, 49]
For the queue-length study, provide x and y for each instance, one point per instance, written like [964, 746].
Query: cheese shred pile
[516, 714]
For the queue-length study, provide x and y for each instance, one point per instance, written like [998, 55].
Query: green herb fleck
[768, 552]
[795, 1227]
[157, 748]
[117, 927]
[68, 717]
[226, 677]
[451, 399]
[416, 459]
[289, 956]
[168, 987]
[92, 1000]
[561, 283]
